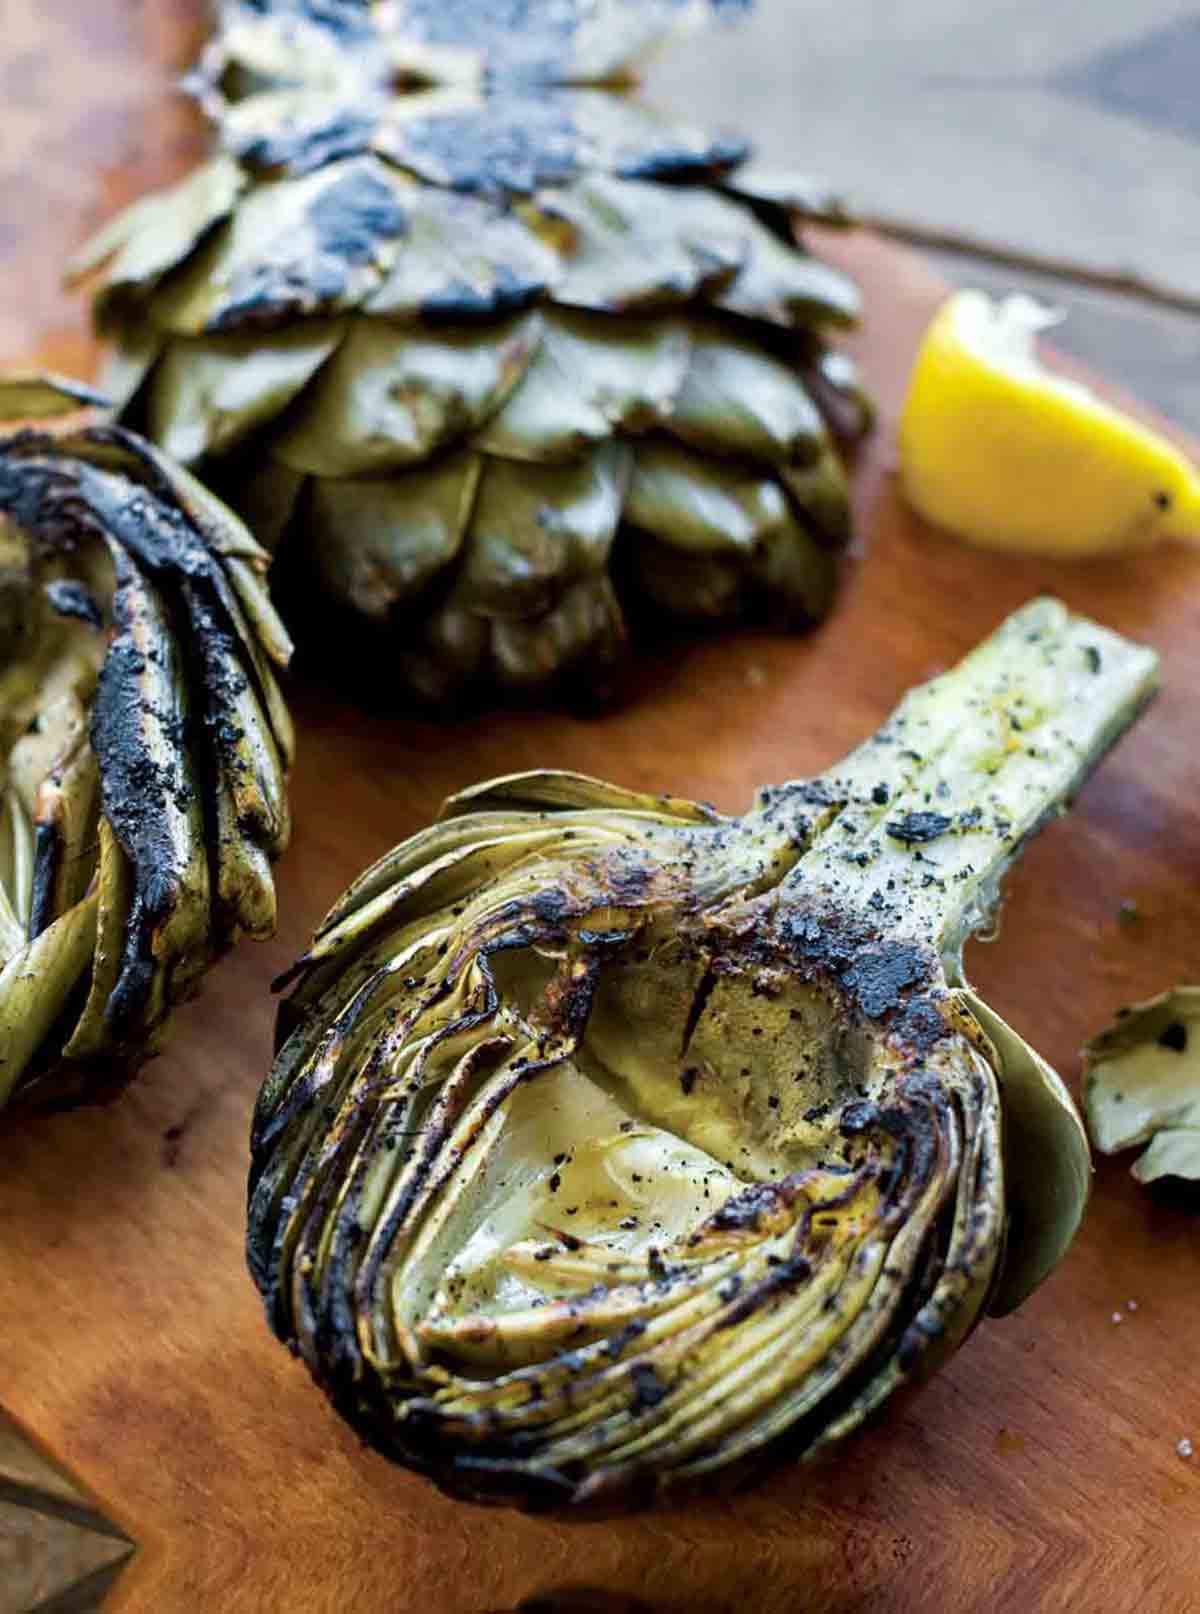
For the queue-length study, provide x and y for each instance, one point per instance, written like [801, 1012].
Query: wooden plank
[1037, 1472]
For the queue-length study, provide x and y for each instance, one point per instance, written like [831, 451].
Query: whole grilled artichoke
[612, 1143]
[494, 362]
[144, 747]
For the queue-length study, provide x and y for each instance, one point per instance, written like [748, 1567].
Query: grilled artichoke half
[491, 364]
[1142, 1085]
[144, 747]
[612, 1142]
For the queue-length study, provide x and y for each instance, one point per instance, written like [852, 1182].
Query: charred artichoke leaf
[613, 1142]
[139, 694]
[1141, 1084]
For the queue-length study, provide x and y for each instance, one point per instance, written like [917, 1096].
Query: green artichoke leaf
[16, 874]
[209, 393]
[694, 504]
[391, 396]
[821, 494]
[632, 245]
[318, 244]
[464, 257]
[783, 196]
[534, 528]
[125, 367]
[583, 627]
[1141, 1085]
[835, 381]
[1047, 1162]
[612, 1144]
[784, 286]
[593, 375]
[35, 395]
[736, 399]
[693, 586]
[266, 493]
[35, 986]
[147, 241]
[408, 528]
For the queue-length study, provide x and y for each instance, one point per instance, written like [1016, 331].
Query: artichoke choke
[144, 746]
[487, 352]
[613, 1143]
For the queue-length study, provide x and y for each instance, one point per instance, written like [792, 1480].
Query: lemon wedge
[1005, 454]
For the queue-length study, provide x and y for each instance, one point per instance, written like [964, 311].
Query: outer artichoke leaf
[794, 578]
[699, 505]
[319, 244]
[547, 790]
[36, 985]
[633, 141]
[821, 494]
[736, 399]
[115, 891]
[783, 285]
[35, 395]
[16, 874]
[631, 245]
[584, 627]
[782, 197]
[265, 492]
[157, 234]
[1142, 1085]
[592, 375]
[1047, 1162]
[125, 367]
[391, 396]
[534, 528]
[835, 382]
[691, 585]
[67, 803]
[406, 529]
[209, 393]
[464, 257]
[295, 131]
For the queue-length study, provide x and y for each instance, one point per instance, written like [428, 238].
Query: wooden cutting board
[1037, 1472]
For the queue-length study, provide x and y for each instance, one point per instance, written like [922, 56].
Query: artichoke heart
[443, 276]
[144, 746]
[613, 1143]
[1142, 1085]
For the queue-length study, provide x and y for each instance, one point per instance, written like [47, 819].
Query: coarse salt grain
[1131, 1305]
[1184, 1447]
[1116, 1316]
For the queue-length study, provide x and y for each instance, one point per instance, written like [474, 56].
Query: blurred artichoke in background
[493, 361]
[613, 1143]
[144, 746]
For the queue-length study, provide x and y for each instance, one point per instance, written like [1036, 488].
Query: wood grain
[1037, 1472]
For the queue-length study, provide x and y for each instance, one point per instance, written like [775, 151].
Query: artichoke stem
[940, 801]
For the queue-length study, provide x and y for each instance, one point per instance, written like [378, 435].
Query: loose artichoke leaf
[320, 244]
[592, 375]
[1141, 1084]
[406, 529]
[631, 245]
[156, 234]
[736, 399]
[699, 505]
[391, 396]
[535, 528]
[35, 986]
[464, 256]
[36, 395]
[209, 393]
[1047, 1162]
[585, 625]
[1173, 1152]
